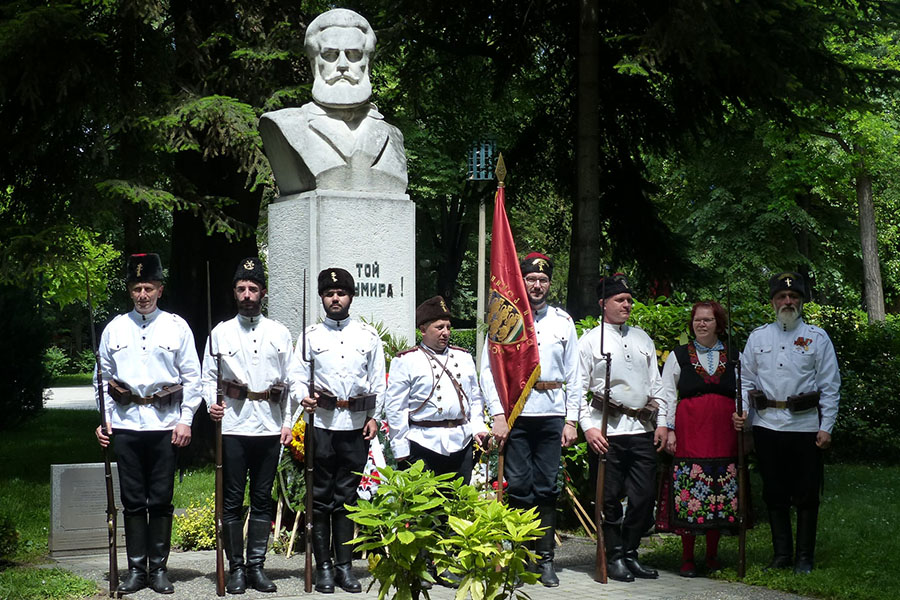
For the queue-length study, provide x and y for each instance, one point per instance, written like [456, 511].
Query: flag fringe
[520, 403]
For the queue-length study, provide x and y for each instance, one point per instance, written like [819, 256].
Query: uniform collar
[144, 319]
[334, 324]
[541, 311]
[430, 350]
[249, 321]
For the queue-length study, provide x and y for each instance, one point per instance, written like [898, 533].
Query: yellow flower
[298, 431]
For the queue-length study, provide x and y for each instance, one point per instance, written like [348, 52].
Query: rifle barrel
[111, 510]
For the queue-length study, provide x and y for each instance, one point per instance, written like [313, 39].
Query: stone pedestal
[371, 235]
[78, 509]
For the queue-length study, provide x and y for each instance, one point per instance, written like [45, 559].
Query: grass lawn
[72, 380]
[857, 550]
[55, 436]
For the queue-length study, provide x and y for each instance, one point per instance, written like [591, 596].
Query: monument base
[78, 509]
[373, 236]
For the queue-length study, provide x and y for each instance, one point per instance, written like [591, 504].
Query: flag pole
[500, 172]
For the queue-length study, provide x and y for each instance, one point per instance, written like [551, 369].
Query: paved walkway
[76, 397]
[193, 574]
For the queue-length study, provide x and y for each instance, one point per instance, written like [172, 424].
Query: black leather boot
[136, 547]
[632, 537]
[545, 545]
[257, 542]
[782, 540]
[233, 534]
[342, 528]
[615, 553]
[160, 529]
[322, 550]
[807, 519]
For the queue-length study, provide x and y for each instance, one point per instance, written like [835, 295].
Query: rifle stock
[741, 459]
[111, 511]
[220, 482]
[600, 574]
[308, 449]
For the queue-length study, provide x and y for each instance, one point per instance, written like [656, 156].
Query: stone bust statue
[339, 141]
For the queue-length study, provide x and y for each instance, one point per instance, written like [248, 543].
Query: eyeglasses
[706, 321]
[537, 281]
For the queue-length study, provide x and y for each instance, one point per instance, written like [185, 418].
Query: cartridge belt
[123, 395]
[354, 403]
[795, 403]
[646, 415]
[240, 391]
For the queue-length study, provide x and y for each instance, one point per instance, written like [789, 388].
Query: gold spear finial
[500, 171]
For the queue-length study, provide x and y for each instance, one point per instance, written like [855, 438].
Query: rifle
[308, 448]
[741, 460]
[220, 480]
[600, 562]
[111, 510]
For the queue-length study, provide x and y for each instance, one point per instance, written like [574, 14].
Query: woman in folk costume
[700, 493]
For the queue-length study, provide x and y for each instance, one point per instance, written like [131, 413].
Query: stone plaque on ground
[78, 509]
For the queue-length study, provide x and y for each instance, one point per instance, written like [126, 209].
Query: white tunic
[634, 379]
[255, 351]
[146, 352]
[420, 389]
[349, 362]
[784, 363]
[558, 350]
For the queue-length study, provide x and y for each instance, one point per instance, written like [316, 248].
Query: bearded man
[791, 387]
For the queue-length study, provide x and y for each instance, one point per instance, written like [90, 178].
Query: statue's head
[339, 43]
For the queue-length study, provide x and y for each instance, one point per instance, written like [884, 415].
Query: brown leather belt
[355, 403]
[123, 395]
[446, 424]
[796, 403]
[240, 391]
[548, 385]
[646, 415]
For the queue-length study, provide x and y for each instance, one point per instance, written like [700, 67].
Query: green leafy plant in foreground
[417, 515]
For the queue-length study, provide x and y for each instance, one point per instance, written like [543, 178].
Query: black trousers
[533, 450]
[146, 461]
[459, 462]
[631, 473]
[791, 467]
[340, 457]
[256, 456]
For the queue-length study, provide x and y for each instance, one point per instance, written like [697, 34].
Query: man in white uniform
[256, 355]
[548, 419]
[636, 423]
[349, 392]
[151, 390]
[433, 404]
[791, 387]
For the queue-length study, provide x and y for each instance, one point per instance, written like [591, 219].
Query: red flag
[512, 341]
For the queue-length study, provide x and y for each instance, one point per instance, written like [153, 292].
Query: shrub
[55, 361]
[84, 361]
[464, 338]
[196, 528]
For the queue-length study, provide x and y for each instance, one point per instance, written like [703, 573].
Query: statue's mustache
[335, 78]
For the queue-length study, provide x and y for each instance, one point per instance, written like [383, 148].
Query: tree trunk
[585, 248]
[873, 294]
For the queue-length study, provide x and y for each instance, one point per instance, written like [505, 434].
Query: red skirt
[700, 491]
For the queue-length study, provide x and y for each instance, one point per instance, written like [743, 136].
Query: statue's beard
[342, 93]
[788, 316]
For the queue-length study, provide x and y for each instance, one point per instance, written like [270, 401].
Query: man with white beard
[791, 384]
[339, 141]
